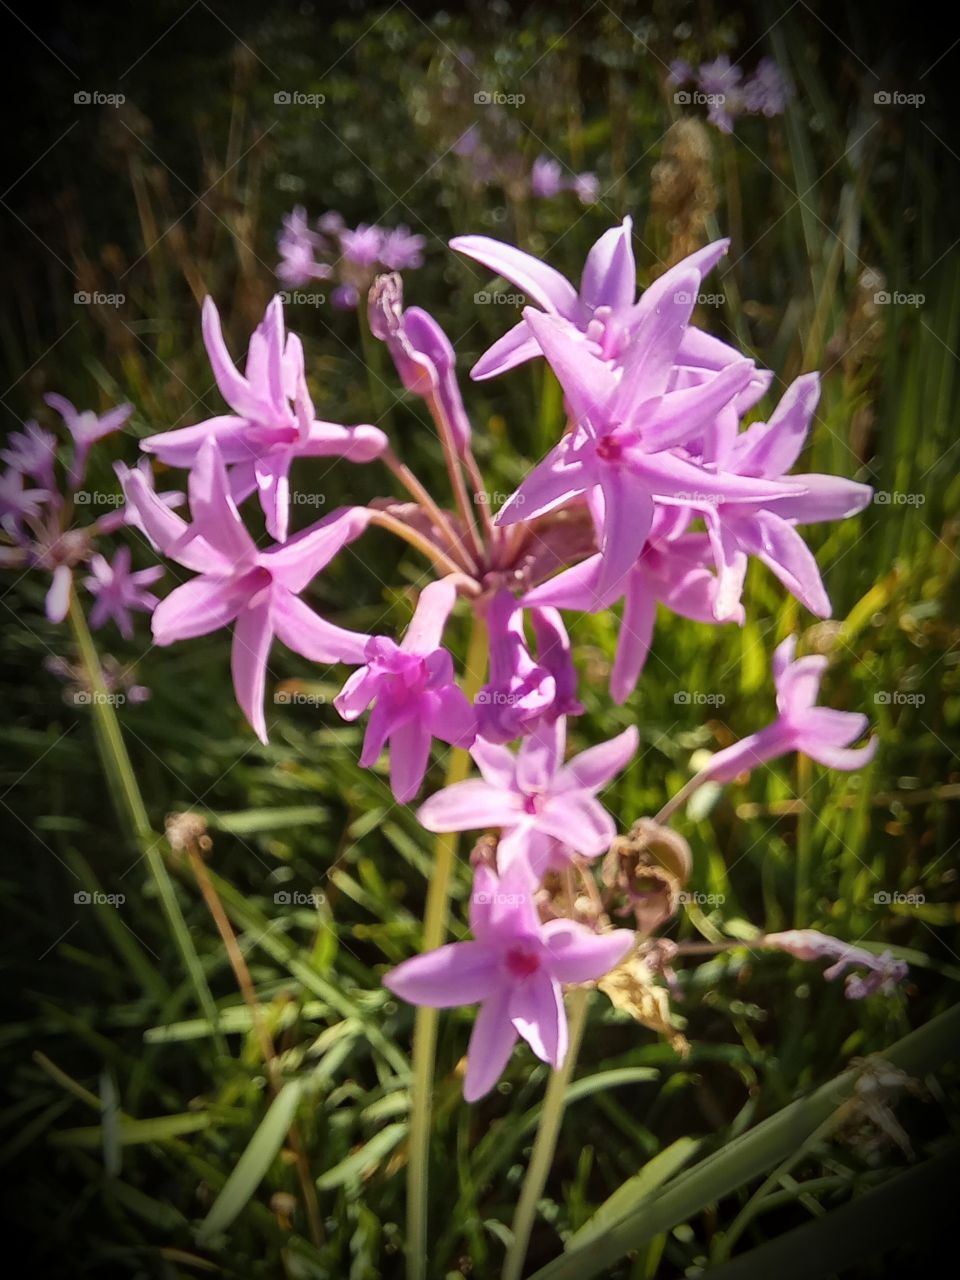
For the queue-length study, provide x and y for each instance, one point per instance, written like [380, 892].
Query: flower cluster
[502, 164]
[349, 256]
[657, 491]
[38, 506]
[721, 86]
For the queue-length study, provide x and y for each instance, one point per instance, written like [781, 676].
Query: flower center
[522, 962]
[609, 449]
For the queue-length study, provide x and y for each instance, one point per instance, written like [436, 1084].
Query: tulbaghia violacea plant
[655, 493]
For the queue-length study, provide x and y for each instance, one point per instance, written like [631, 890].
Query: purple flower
[32, 452]
[546, 178]
[681, 72]
[622, 448]
[819, 732]
[118, 590]
[423, 354]
[468, 141]
[519, 692]
[767, 529]
[515, 969]
[86, 428]
[362, 245]
[272, 421]
[258, 591]
[884, 971]
[298, 247]
[672, 570]
[401, 250]
[18, 503]
[586, 187]
[534, 798]
[345, 297]
[605, 308]
[414, 692]
[766, 92]
[720, 82]
[331, 223]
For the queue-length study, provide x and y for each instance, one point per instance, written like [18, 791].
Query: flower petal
[537, 1012]
[196, 608]
[311, 636]
[470, 806]
[542, 283]
[491, 1044]
[252, 637]
[610, 272]
[458, 973]
[577, 954]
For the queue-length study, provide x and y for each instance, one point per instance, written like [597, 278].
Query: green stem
[425, 1023]
[545, 1143]
[132, 812]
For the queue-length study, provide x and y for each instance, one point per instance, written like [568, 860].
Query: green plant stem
[545, 1143]
[132, 812]
[425, 1023]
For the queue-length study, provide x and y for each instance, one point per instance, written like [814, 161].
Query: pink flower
[18, 503]
[546, 178]
[118, 590]
[520, 691]
[362, 245]
[515, 969]
[423, 354]
[414, 692]
[32, 452]
[272, 421]
[401, 249]
[86, 428]
[258, 591]
[534, 798]
[884, 971]
[819, 732]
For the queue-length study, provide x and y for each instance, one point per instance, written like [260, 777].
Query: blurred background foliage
[179, 192]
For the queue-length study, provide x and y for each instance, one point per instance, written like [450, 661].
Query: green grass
[138, 1144]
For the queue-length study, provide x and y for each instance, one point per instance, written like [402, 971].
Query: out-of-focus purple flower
[401, 249]
[534, 798]
[345, 297]
[819, 732]
[258, 591]
[681, 72]
[546, 178]
[32, 452]
[586, 187]
[362, 245]
[272, 421]
[117, 590]
[17, 502]
[884, 971]
[423, 354]
[767, 91]
[414, 693]
[298, 247]
[129, 515]
[553, 654]
[86, 428]
[516, 969]
[719, 80]
[468, 141]
[331, 223]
